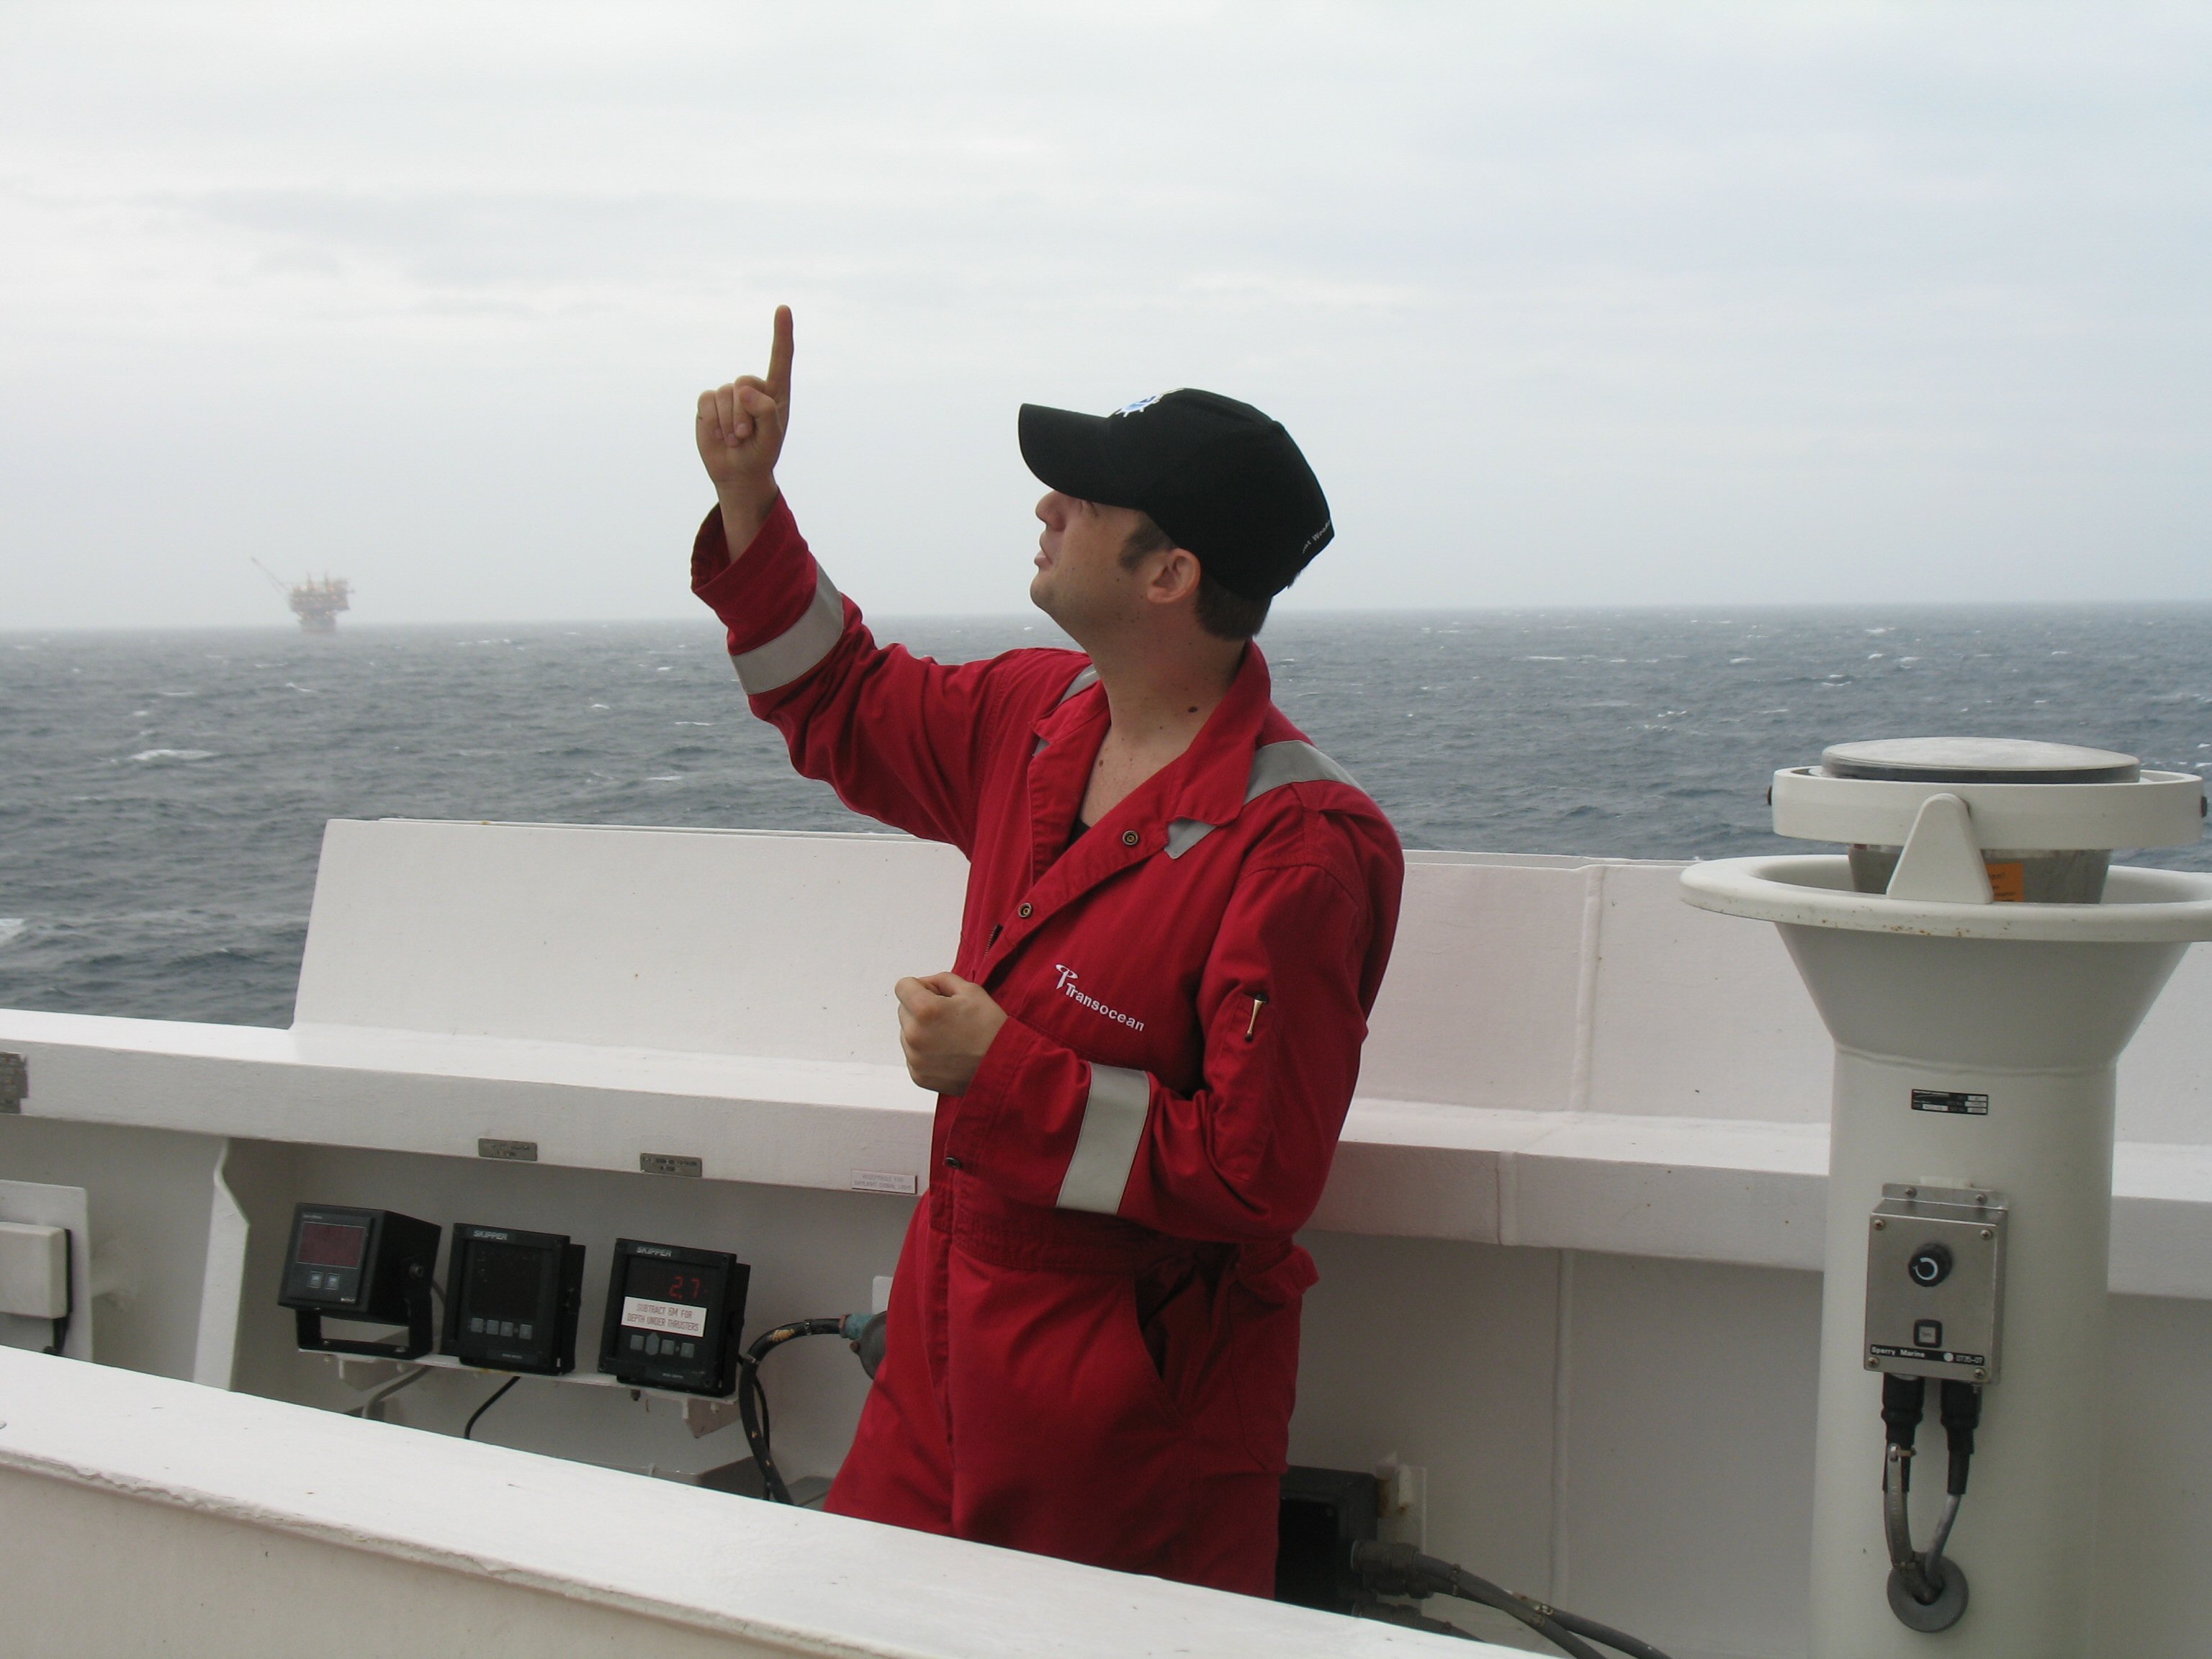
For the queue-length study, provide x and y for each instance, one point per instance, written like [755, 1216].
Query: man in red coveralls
[1178, 913]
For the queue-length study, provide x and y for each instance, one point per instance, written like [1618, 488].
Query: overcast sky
[1614, 304]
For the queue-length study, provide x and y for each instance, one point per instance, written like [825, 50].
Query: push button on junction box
[1935, 1284]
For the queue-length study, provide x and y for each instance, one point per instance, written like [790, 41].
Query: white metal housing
[2026, 1006]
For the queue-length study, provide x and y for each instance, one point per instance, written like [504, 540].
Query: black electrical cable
[752, 1398]
[366, 1410]
[1392, 1613]
[752, 1412]
[1962, 1415]
[1469, 1588]
[1903, 1401]
[69, 1290]
[1619, 1640]
[498, 1394]
[1401, 1570]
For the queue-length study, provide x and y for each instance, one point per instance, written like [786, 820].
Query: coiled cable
[1927, 1591]
[752, 1398]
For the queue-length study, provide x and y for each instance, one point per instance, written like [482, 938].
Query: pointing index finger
[779, 357]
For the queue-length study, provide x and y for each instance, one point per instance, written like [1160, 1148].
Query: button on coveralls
[1092, 1348]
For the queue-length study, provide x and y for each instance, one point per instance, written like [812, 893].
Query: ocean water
[162, 796]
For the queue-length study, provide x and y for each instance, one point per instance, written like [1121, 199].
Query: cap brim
[1067, 452]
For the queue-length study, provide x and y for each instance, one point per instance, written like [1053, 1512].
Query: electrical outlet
[35, 1277]
[1402, 1510]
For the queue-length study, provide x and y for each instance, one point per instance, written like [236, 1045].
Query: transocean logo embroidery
[1067, 986]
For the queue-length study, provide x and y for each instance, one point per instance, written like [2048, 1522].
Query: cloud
[1568, 303]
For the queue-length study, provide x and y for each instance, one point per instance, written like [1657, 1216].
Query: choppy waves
[165, 794]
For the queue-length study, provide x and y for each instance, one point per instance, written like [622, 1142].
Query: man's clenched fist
[946, 1026]
[740, 431]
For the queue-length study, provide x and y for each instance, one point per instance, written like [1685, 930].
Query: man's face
[1080, 581]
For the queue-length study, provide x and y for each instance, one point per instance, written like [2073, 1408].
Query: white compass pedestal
[2030, 1005]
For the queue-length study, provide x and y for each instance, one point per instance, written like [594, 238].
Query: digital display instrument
[373, 1267]
[674, 1317]
[511, 1300]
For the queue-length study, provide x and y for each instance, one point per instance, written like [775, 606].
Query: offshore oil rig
[316, 603]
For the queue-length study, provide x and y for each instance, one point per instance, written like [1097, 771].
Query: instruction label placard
[1950, 1101]
[673, 1316]
[884, 1181]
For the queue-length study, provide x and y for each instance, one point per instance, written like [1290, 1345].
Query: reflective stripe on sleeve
[1106, 1146]
[798, 647]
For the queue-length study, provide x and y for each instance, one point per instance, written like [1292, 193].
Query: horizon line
[1591, 607]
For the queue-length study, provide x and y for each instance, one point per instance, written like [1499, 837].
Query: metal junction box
[1934, 1288]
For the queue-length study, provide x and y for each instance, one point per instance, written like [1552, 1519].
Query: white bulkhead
[1570, 1253]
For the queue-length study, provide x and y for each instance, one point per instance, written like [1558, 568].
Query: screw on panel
[1877, 1223]
[1980, 1376]
[1989, 1232]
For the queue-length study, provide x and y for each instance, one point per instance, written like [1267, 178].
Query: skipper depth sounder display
[674, 1317]
[511, 1299]
[372, 1266]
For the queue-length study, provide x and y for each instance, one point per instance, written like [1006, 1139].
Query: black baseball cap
[1219, 477]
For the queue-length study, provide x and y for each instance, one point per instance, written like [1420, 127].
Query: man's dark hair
[1225, 615]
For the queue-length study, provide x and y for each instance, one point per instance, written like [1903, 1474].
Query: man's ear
[1175, 577]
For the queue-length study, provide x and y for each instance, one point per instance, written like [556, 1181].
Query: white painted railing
[147, 1516]
[1564, 1055]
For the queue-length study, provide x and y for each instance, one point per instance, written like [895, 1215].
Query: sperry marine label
[1950, 1101]
[517, 1152]
[1931, 1356]
[669, 1163]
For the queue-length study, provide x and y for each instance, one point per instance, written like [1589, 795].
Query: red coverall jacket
[1093, 1336]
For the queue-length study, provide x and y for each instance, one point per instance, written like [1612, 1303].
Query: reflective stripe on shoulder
[798, 647]
[1082, 682]
[1273, 765]
[1114, 1116]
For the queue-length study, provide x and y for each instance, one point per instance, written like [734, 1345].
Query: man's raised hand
[740, 432]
